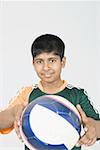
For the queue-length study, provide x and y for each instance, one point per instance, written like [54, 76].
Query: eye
[52, 60]
[38, 61]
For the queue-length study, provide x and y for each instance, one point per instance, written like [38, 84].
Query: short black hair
[48, 43]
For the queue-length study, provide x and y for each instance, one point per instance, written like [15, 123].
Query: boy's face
[48, 66]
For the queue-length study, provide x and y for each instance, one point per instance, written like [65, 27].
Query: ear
[33, 63]
[63, 61]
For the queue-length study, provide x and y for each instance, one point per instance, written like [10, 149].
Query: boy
[48, 61]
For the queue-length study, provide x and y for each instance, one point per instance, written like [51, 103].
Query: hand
[17, 122]
[90, 135]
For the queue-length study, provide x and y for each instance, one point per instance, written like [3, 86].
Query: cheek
[57, 67]
[37, 69]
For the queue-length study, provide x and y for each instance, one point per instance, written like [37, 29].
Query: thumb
[82, 113]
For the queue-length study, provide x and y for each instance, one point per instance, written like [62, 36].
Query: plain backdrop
[77, 23]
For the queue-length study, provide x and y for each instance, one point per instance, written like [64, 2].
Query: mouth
[47, 75]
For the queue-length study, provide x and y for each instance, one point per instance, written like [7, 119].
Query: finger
[17, 130]
[18, 122]
[77, 144]
[16, 126]
[19, 113]
[85, 129]
[82, 113]
[91, 142]
[84, 140]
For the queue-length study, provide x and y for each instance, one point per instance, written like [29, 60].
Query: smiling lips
[48, 74]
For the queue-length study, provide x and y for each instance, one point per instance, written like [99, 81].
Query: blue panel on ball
[26, 126]
[43, 146]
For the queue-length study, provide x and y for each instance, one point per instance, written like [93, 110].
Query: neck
[52, 88]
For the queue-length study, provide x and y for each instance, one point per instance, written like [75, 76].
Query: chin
[48, 80]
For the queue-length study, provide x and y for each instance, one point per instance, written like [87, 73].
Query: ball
[50, 122]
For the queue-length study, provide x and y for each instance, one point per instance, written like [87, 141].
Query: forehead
[46, 56]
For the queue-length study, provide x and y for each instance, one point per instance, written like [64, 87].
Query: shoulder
[21, 96]
[77, 93]
[76, 89]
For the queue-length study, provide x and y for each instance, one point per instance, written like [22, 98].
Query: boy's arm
[8, 116]
[16, 105]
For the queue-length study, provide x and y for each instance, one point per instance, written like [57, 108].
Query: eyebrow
[52, 57]
[38, 59]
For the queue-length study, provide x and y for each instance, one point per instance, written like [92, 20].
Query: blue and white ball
[50, 122]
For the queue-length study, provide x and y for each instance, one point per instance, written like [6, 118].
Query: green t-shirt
[75, 96]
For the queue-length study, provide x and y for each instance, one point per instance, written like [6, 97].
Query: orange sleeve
[20, 98]
[7, 130]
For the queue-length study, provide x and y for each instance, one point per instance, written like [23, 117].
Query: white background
[77, 23]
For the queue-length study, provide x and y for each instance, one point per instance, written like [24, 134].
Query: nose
[46, 66]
